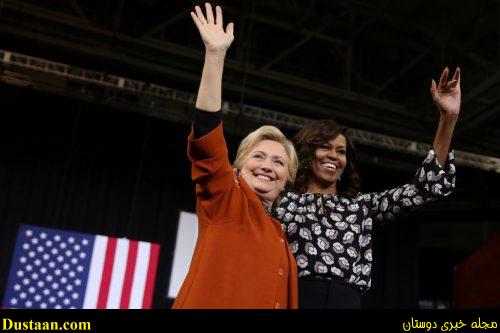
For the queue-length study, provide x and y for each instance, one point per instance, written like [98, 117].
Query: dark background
[88, 158]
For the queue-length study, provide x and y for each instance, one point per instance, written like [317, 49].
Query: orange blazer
[241, 258]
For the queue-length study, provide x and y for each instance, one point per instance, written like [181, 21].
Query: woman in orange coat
[241, 259]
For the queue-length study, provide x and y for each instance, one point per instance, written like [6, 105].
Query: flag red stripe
[151, 277]
[109, 260]
[129, 274]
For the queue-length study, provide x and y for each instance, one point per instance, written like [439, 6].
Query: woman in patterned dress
[328, 223]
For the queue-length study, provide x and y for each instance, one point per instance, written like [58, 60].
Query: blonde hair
[268, 133]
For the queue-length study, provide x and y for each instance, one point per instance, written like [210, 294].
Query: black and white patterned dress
[331, 235]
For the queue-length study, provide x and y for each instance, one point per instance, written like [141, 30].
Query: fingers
[444, 84]
[196, 20]
[200, 15]
[210, 14]
[218, 16]
[433, 86]
[443, 78]
[230, 29]
[433, 89]
[452, 84]
[456, 76]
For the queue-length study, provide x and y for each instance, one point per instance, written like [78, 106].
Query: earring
[236, 173]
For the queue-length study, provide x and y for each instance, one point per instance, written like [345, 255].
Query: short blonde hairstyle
[268, 133]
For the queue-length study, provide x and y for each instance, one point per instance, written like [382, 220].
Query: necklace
[269, 210]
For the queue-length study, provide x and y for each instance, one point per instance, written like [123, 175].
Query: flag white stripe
[140, 275]
[118, 274]
[95, 272]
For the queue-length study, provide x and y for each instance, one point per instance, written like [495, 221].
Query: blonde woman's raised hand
[211, 29]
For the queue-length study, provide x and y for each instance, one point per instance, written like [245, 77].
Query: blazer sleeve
[210, 168]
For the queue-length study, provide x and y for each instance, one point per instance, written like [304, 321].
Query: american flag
[57, 269]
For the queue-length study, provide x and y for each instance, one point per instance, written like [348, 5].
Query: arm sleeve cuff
[205, 122]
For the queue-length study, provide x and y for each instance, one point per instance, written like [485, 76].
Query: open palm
[447, 95]
[212, 31]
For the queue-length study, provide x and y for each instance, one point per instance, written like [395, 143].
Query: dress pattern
[331, 236]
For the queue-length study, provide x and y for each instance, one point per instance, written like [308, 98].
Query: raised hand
[446, 94]
[212, 31]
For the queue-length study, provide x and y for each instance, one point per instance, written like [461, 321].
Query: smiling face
[328, 164]
[265, 169]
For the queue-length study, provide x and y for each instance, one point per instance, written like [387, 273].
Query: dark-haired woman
[327, 221]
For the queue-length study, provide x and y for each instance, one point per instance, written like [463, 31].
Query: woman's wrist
[215, 55]
[448, 119]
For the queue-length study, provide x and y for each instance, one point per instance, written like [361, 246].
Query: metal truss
[13, 60]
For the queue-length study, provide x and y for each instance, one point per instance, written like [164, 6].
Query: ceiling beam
[286, 26]
[77, 9]
[46, 74]
[117, 16]
[182, 15]
[480, 116]
[482, 87]
[153, 44]
[402, 72]
[294, 47]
